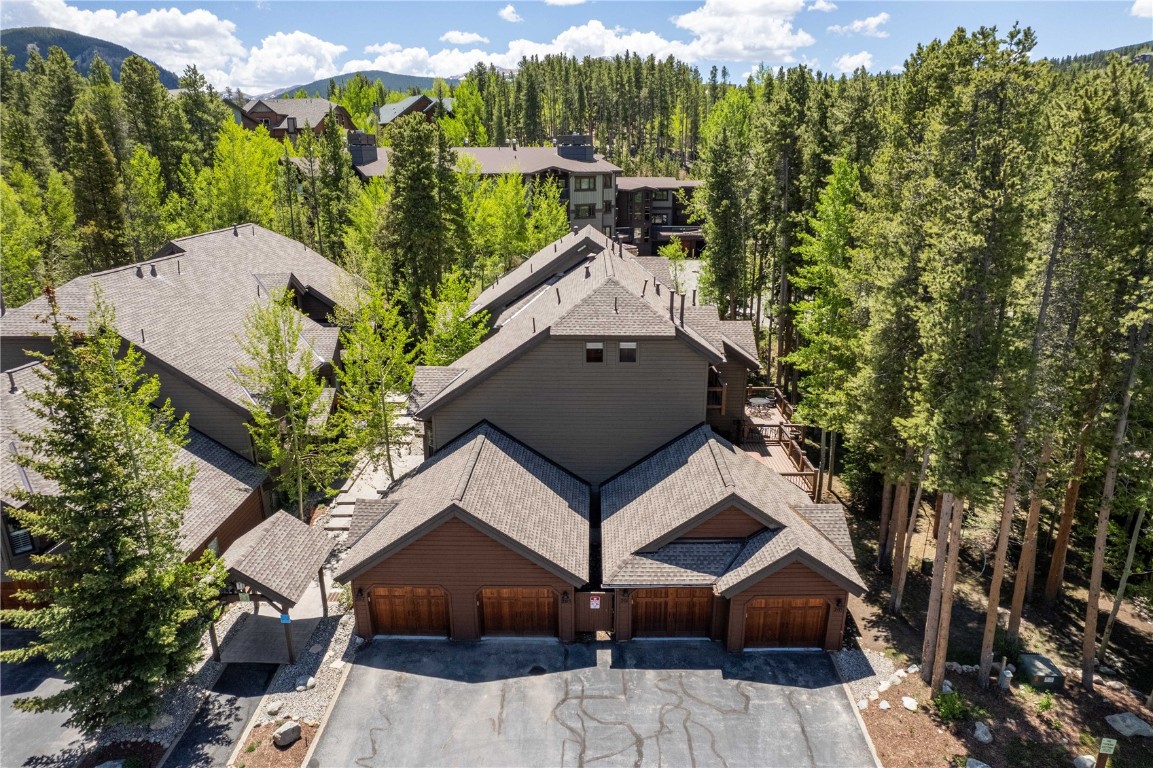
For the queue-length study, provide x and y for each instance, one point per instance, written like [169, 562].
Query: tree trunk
[901, 507]
[953, 534]
[900, 574]
[1089, 643]
[1029, 545]
[821, 466]
[993, 604]
[892, 528]
[832, 461]
[883, 533]
[933, 615]
[1103, 651]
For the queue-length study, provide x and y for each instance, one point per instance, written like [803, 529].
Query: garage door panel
[409, 611]
[773, 622]
[518, 611]
[672, 612]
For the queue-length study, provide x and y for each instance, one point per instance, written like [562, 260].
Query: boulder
[982, 733]
[909, 703]
[863, 704]
[310, 683]
[274, 708]
[1115, 685]
[1128, 724]
[160, 723]
[884, 686]
[1085, 761]
[316, 648]
[1107, 670]
[946, 687]
[112, 764]
[286, 734]
[913, 669]
[884, 705]
[973, 762]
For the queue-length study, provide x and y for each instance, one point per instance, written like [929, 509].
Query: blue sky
[264, 44]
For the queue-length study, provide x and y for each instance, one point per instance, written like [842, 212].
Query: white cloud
[745, 30]
[170, 37]
[563, 2]
[851, 62]
[1142, 9]
[508, 13]
[822, 5]
[870, 27]
[457, 37]
[286, 59]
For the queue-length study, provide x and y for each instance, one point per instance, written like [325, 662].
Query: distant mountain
[1099, 59]
[80, 48]
[391, 81]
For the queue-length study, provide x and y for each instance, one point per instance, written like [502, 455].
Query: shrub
[1045, 703]
[952, 707]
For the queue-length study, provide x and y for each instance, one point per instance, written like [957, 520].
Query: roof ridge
[722, 464]
[470, 466]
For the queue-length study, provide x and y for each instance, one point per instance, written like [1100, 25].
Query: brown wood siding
[593, 419]
[410, 610]
[518, 611]
[589, 619]
[732, 523]
[736, 377]
[462, 561]
[672, 612]
[244, 518]
[794, 580]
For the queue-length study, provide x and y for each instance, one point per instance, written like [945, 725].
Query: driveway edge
[192, 718]
[860, 722]
[251, 722]
[332, 705]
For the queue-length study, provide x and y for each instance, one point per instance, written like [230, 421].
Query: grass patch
[952, 707]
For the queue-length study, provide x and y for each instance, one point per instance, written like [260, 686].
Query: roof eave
[798, 555]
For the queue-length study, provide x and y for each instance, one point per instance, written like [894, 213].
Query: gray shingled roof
[191, 302]
[829, 519]
[647, 507]
[310, 111]
[389, 112]
[494, 482]
[223, 480]
[532, 160]
[634, 183]
[610, 295]
[280, 557]
[681, 563]
[428, 381]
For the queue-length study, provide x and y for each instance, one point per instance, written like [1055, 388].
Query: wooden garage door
[409, 611]
[673, 612]
[786, 622]
[518, 611]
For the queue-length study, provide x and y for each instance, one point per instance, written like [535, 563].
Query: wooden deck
[769, 434]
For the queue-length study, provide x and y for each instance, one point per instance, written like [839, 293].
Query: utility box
[1039, 672]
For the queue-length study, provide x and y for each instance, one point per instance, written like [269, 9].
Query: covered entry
[518, 611]
[409, 611]
[672, 612]
[786, 622]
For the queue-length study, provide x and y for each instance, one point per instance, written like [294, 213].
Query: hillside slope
[81, 48]
[391, 81]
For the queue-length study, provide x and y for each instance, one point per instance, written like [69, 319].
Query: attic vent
[152, 270]
[235, 233]
[139, 271]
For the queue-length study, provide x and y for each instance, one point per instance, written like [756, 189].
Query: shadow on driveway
[37, 739]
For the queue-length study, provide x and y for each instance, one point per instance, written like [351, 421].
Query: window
[628, 352]
[594, 352]
[586, 183]
[20, 539]
[608, 207]
[660, 218]
[661, 194]
[264, 122]
[608, 181]
[585, 211]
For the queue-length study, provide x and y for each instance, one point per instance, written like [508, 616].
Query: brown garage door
[409, 611]
[518, 611]
[786, 622]
[673, 612]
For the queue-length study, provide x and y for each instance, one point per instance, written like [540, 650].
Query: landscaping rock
[973, 762]
[863, 704]
[315, 648]
[901, 674]
[873, 695]
[112, 764]
[947, 687]
[300, 689]
[1107, 670]
[358, 640]
[884, 705]
[909, 703]
[1011, 667]
[1128, 724]
[286, 734]
[310, 683]
[1115, 685]
[982, 733]
[312, 723]
[274, 708]
[883, 687]
[162, 722]
[1085, 761]
[913, 669]
[336, 665]
[894, 680]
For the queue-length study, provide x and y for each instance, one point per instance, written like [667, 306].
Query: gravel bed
[180, 704]
[329, 649]
[863, 670]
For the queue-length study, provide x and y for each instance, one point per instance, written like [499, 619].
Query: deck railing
[790, 437]
[774, 393]
[717, 397]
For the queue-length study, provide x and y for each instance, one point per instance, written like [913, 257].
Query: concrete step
[338, 524]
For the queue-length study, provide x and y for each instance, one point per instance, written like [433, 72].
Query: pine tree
[123, 614]
[375, 379]
[154, 118]
[290, 424]
[203, 111]
[55, 96]
[99, 197]
[336, 189]
[102, 98]
[21, 142]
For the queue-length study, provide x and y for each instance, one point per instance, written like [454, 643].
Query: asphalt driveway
[538, 703]
[33, 738]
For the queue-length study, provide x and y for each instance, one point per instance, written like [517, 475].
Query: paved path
[230, 704]
[33, 739]
[260, 640]
[644, 703]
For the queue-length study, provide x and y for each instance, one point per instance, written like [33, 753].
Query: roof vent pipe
[672, 298]
[615, 310]
[682, 310]
[643, 287]
[694, 297]
[152, 270]
[141, 335]
[558, 295]
[12, 388]
[178, 266]
[234, 232]
[139, 271]
[657, 286]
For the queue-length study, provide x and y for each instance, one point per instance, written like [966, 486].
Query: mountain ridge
[82, 49]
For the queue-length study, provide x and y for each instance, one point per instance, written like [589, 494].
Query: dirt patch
[137, 754]
[260, 752]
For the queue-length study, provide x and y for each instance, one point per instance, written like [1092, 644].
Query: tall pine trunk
[883, 533]
[901, 507]
[1028, 556]
[1089, 642]
[933, 615]
[993, 604]
[1103, 651]
[901, 574]
[821, 467]
[953, 534]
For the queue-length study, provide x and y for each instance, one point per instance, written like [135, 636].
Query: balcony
[769, 434]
